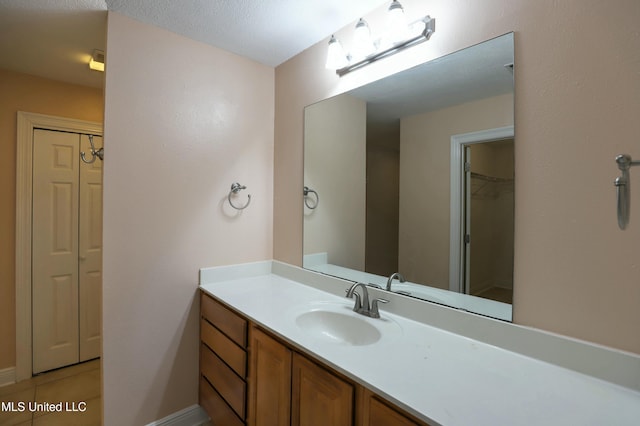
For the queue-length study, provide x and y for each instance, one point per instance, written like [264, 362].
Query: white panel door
[90, 253]
[55, 249]
[67, 250]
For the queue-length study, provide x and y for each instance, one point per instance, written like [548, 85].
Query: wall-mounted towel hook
[622, 184]
[99, 153]
[305, 191]
[235, 188]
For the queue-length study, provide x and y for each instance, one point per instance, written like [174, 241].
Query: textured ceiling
[55, 38]
[476, 72]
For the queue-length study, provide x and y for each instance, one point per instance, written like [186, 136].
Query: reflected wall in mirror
[415, 175]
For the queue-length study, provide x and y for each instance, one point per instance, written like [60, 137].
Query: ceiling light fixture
[366, 50]
[97, 60]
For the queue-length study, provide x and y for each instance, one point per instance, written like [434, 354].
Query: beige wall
[425, 167]
[183, 120]
[383, 174]
[335, 167]
[21, 92]
[577, 97]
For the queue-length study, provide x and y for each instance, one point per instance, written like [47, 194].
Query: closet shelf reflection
[489, 187]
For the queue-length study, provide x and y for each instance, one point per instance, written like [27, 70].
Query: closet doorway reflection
[488, 219]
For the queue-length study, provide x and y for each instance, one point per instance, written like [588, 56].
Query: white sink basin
[338, 324]
[338, 328]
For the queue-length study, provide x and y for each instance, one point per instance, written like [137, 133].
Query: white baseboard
[190, 416]
[7, 376]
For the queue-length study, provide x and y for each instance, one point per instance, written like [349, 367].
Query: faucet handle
[373, 312]
[357, 307]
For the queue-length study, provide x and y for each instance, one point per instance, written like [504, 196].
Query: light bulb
[397, 22]
[362, 43]
[336, 57]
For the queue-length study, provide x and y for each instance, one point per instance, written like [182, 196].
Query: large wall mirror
[414, 174]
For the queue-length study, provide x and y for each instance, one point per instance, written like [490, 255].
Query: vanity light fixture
[96, 62]
[366, 50]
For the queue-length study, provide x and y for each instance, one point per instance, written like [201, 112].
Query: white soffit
[267, 31]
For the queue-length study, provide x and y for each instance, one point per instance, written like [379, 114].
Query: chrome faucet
[361, 305]
[397, 275]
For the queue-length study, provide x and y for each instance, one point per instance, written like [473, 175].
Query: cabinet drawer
[225, 348]
[228, 384]
[234, 326]
[216, 408]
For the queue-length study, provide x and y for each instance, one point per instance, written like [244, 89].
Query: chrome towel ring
[622, 185]
[305, 191]
[235, 188]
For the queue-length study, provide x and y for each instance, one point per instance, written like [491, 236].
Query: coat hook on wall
[235, 188]
[99, 153]
[305, 191]
[622, 185]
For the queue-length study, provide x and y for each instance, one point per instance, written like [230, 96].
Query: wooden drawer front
[221, 414]
[231, 387]
[224, 319]
[225, 348]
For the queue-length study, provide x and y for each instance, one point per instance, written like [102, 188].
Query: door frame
[456, 218]
[27, 122]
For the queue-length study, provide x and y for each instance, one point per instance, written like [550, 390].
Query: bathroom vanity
[287, 386]
[280, 345]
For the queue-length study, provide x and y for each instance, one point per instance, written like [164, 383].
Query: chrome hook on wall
[94, 153]
[235, 188]
[622, 184]
[305, 191]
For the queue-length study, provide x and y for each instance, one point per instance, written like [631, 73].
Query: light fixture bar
[429, 29]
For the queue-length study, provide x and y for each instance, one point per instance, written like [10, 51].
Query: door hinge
[467, 238]
[467, 166]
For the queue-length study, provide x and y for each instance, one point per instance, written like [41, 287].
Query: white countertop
[438, 376]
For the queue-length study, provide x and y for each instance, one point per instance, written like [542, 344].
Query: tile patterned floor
[71, 385]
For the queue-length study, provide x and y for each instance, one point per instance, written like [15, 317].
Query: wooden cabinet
[269, 380]
[319, 397]
[223, 363]
[374, 411]
[286, 388]
[249, 376]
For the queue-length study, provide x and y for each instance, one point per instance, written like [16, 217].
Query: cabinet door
[374, 412]
[319, 398]
[269, 381]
